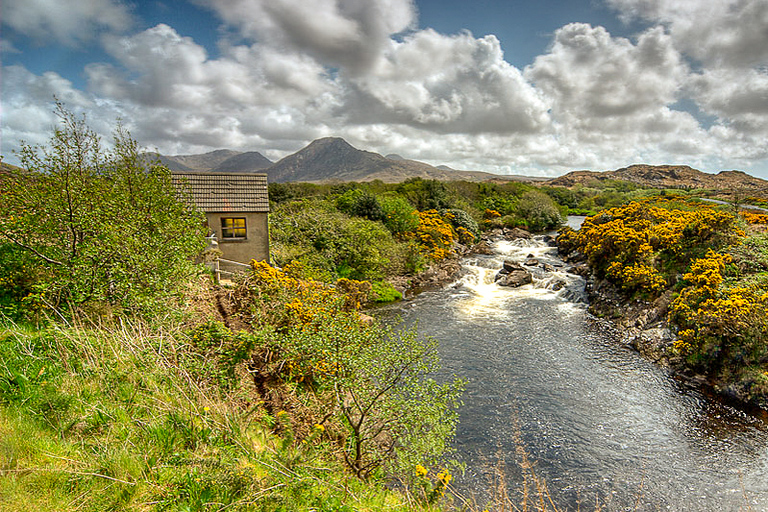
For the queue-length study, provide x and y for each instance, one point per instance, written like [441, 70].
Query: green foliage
[374, 381]
[215, 353]
[315, 233]
[385, 292]
[424, 194]
[461, 219]
[539, 211]
[101, 227]
[109, 420]
[18, 274]
[360, 203]
[400, 217]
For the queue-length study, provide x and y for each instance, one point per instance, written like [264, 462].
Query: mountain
[249, 161]
[191, 163]
[665, 176]
[334, 160]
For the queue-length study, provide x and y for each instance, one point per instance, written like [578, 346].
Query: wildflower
[421, 470]
[319, 427]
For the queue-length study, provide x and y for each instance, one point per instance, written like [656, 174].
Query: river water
[597, 419]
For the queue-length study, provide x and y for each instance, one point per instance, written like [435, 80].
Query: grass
[108, 419]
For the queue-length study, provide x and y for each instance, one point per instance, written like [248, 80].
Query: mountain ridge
[665, 176]
[333, 159]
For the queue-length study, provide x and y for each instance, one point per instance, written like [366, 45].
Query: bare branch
[31, 249]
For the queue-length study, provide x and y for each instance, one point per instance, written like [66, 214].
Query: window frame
[233, 229]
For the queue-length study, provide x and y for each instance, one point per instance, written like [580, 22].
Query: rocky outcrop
[642, 324]
[435, 276]
[513, 275]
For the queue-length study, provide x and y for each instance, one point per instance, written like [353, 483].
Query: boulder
[530, 261]
[513, 233]
[513, 275]
[482, 247]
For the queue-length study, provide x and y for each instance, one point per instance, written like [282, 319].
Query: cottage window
[233, 228]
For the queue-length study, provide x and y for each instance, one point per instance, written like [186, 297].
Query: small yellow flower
[421, 470]
[319, 427]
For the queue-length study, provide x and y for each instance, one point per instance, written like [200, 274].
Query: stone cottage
[236, 208]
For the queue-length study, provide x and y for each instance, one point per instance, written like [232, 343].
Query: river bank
[644, 326]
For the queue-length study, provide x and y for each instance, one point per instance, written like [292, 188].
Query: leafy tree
[400, 217]
[100, 226]
[360, 203]
[373, 380]
[539, 211]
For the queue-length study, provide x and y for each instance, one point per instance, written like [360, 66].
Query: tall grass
[119, 419]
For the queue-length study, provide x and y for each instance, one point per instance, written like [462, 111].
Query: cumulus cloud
[604, 84]
[341, 33]
[722, 32]
[68, 23]
[304, 69]
[737, 97]
[447, 84]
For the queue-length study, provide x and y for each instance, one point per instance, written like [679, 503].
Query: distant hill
[7, 168]
[244, 162]
[665, 176]
[334, 160]
[187, 163]
[326, 160]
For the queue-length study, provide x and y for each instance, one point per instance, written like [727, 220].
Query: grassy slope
[111, 420]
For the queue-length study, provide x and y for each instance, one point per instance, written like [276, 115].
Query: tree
[99, 226]
[395, 414]
[539, 211]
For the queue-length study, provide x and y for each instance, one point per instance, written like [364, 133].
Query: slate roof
[226, 192]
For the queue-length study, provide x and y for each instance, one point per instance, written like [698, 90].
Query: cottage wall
[256, 244]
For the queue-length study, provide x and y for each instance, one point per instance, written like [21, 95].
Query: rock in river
[513, 275]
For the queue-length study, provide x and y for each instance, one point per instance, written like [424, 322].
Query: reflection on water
[595, 416]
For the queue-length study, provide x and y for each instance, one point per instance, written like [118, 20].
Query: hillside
[334, 159]
[244, 162]
[325, 160]
[666, 176]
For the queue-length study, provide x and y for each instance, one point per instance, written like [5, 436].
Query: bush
[539, 211]
[360, 203]
[376, 379]
[384, 292]
[461, 219]
[99, 226]
[335, 245]
[400, 217]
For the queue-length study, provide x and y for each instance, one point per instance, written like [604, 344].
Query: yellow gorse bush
[435, 235]
[714, 320]
[754, 218]
[625, 244]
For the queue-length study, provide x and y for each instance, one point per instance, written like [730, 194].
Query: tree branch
[31, 249]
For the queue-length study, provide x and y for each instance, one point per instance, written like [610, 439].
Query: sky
[538, 88]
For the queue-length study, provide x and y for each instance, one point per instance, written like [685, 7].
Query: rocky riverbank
[643, 326]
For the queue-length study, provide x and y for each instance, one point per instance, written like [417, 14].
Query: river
[598, 420]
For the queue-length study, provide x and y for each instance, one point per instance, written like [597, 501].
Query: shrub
[384, 292]
[400, 217]
[643, 244]
[538, 210]
[435, 235]
[360, 203]
[330, 242]
[461, 219]
[376, 378]
[100, 226]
